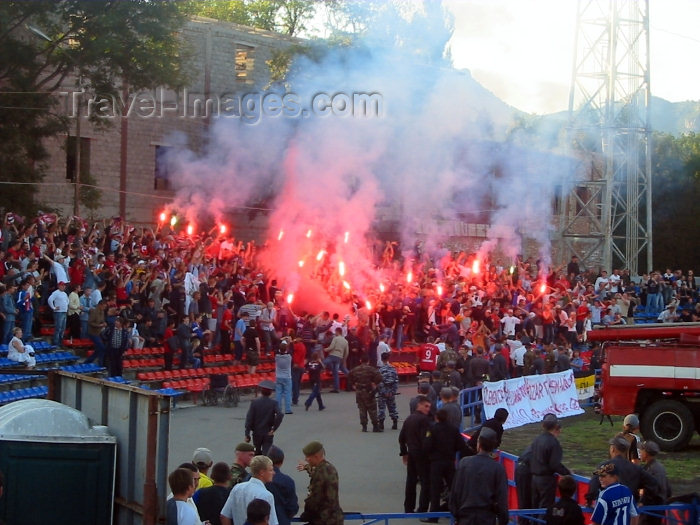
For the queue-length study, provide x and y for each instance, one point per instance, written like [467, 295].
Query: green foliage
[675, 196]
[283, 16]
[102, 45]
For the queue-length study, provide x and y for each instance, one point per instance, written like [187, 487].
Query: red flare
[190, 229]
[381, 287]
[409, 277]
[163, 216]
[320, 255]
[346, 285]
[439, 290]
[290, 298]
[543, 288]
[222, 229]
[301, 264]
[308, 234]
[279, 237]
[475, 266]
[341, 268]
[347, 236]
[368, 305]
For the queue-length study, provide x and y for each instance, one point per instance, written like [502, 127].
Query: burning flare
[341, 268]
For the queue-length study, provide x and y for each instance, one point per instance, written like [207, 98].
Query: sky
[522, 50]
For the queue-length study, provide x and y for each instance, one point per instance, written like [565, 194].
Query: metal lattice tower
[606, 220]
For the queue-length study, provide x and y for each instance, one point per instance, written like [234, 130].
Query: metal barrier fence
[674, 514]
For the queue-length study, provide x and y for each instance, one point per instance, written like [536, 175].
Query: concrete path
[371, 472]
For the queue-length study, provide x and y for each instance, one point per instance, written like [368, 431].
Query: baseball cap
[631, 420]
[606, 468]
[651, 447]
[619, 442]
[202, 456]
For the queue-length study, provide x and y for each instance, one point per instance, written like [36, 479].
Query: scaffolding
[606, 219]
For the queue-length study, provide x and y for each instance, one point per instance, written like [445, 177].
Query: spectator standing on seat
[96, 326]
[282, 488]
[117, 338]
[58, 302]
[251, 342]
[545, 462]
[337, 355]
[8, 311]
[210, 500]
[322, 505]
[268, 318]
[263, 418]
[479, 494]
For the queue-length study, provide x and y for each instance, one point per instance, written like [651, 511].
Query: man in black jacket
[411, 439]
[479, 493]
[442, 442]
[545, 461]
[263, 418]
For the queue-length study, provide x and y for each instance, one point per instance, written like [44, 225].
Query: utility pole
[606, 220]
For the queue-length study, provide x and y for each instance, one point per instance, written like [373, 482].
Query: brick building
[125, 159]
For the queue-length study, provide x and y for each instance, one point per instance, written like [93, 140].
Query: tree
[106, 46]
[675, 195]
[282, 16]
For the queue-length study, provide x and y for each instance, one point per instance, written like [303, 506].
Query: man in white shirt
[382, 347]
[58, 302]
[234, 511]
[602, 284]
[509, 323]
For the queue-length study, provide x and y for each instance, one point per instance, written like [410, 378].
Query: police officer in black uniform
[545, 461]
[479, 493]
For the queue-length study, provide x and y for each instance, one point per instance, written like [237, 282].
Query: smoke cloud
[437, 152]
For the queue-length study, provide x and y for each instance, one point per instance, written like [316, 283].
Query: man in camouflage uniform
[244, 454]
[322, 505]
[448, 355]
[387, 392]
[365, 379]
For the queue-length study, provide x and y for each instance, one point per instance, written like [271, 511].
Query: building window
[245, 61]
[162, 168]
[71, 160]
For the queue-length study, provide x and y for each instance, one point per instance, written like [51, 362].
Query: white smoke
[435, 152]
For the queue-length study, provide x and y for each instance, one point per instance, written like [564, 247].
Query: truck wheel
[669, 423]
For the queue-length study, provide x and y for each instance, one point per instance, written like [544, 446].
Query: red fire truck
[653, 370]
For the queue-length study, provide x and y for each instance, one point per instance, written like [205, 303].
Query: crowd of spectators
[190, 292]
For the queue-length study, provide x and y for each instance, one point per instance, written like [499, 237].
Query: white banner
[529, 398]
